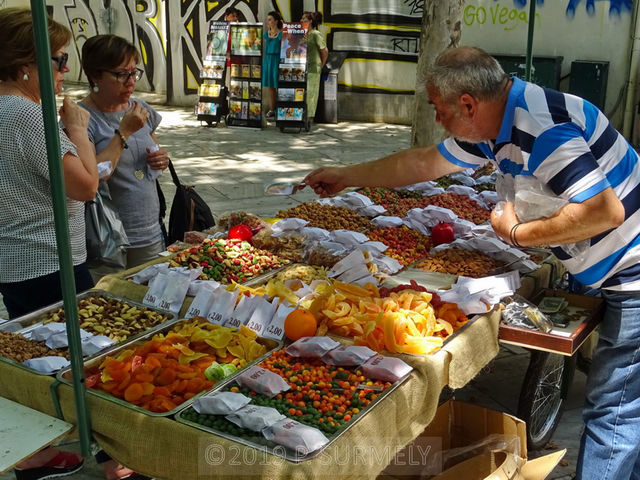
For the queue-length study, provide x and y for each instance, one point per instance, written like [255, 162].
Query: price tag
[275, 330]
[202, 302]
[242, 313]
[157, 286]
[222, 307]
[262, 315]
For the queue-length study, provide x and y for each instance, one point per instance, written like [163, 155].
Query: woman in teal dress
[317, 54]
[271, 58]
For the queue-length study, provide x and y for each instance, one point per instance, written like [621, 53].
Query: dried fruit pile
[456, 261]
[405, 245]
[114, 318]
[408, 320]
[162, 373]
[227, 261]
[321, 396]
[19, 349]
[328, 217]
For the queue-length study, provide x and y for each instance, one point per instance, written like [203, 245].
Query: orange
[300, 323]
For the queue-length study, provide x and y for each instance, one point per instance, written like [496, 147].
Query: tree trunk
[441, 29]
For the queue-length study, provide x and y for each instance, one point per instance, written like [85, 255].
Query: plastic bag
[288, 245]
[106, 237]
[532, 199]
[520, 312]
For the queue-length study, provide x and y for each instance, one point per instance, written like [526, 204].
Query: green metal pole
[43, 54]
[529, 57]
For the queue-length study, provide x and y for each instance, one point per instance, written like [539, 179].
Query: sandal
[63, 464]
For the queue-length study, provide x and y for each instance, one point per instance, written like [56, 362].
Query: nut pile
[327, 217]
[405, 245]
[456, 261]
[463, 206]
[19, 349]
[380, 195]
[110, 317]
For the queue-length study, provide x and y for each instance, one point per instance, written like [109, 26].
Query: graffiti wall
[592, 30]
[379, 37]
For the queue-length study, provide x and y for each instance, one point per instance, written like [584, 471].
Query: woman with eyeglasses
[29, 267]
[123, 131]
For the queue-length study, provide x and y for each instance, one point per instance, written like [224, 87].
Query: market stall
[364, 448]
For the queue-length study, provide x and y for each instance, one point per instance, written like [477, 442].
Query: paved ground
[230, 168]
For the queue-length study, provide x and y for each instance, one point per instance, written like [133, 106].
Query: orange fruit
[300, 323]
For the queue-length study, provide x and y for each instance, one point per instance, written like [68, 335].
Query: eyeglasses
[61, 61]
[123, 77]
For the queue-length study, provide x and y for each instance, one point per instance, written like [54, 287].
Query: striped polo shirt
[567, 143]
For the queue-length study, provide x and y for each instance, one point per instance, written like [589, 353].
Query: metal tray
[279, 450]
[32, 320]
[65, 375]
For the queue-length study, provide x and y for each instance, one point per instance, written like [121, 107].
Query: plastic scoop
[284, 188]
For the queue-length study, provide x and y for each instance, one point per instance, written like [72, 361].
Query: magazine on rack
[246, 40]
[245, 90]
[286, 94]
[255, 90]
[235, 108]
[217, 39]
[256, 71]
[206, 108]
[293, 48]
[209, 90]
[235, 70]
[212, 70]
[255, 110]
[235, 88]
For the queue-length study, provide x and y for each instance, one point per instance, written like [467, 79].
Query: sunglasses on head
[61, 61]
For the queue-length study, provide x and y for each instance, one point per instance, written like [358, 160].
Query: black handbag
[188, 210]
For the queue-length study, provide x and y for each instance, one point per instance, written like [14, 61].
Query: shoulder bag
[189, 212]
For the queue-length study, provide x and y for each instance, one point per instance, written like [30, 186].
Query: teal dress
[270, 60]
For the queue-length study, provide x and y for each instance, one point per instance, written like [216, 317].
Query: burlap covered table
[166, 449]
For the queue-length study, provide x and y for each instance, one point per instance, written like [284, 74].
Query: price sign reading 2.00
[277, 331]
[234, 322]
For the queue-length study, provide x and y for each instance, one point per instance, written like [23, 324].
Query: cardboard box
[566, 340]
[458, 424]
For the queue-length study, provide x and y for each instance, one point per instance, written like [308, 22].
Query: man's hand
[326, 181]
[502, 223]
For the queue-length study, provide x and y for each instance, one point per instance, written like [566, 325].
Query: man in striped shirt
[568, 146]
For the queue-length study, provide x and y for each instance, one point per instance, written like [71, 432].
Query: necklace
[112, 119]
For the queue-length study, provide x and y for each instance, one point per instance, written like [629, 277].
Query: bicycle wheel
[544, 390]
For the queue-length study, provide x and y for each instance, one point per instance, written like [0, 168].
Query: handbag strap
[174, 175]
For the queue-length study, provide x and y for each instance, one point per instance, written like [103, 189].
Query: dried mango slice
[186, 359]
[236, 350]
